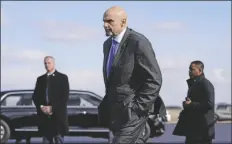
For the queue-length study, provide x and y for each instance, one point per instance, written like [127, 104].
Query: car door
[18, 107]
[72, 105]
[82, 111]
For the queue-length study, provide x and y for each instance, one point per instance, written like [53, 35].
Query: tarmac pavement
[223, 135]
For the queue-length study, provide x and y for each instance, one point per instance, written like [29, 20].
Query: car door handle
[32, 113]
[84, 112]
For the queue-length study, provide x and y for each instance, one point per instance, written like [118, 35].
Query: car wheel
[5, 132]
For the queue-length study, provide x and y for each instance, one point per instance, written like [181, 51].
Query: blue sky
[72, 32]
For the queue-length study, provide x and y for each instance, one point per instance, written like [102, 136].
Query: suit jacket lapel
[44, 82]
[192, 87]
[121, 47]
[54, 74]
[120, 50]
[106, 50]
[51, 77]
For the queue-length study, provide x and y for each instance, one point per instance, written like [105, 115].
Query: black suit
[197, 120]
[131, 88]
[58, 93]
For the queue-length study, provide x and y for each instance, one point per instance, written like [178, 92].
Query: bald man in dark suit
[132, 79]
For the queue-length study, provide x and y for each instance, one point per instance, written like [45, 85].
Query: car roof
[29, 90]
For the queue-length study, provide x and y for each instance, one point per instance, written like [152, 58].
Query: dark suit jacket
[58, 93]
[159, 107]
[197, 119]
[135, 78]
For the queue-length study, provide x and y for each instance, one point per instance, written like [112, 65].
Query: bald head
[117, 11]
[115, 20]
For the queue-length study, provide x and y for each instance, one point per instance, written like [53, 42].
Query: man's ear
[123, 22]
[201, 70]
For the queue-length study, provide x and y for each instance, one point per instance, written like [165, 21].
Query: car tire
[5, 132]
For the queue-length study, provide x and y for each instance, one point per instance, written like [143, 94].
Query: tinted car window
[221, 107]
[17, 100]
[80, 99]
[74, 100]
[229, 108]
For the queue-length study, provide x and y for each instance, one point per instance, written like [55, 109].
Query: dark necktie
[111, 56]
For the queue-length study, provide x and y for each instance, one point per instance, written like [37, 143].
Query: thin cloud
[3, 18]
[31, 54]
[220, 75]
[25, 78]
[174, 81]
[67, 31]
[87, 80]
[18, 77]
[21, 67]
[174, 71]
[174, 62]
[168, 25]
[22, 54]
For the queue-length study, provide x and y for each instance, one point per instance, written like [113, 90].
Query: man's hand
[49, 110]
[42, 108]
[188, 101]
[46, 109]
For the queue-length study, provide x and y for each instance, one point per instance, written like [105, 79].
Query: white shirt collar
[119, 37]
[50, 73]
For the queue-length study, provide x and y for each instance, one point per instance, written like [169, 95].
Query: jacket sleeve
[36, 95]
[152, 78]
[207, 96]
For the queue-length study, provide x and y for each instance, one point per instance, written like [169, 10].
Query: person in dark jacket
[50, 98]
[196, 120]
[132, 79]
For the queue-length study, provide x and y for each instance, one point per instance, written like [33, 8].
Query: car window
[221, 107]
[229, 108]
[74, 100]
[18, 100]
[11, 101]
[79, 99]
[91, 99]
